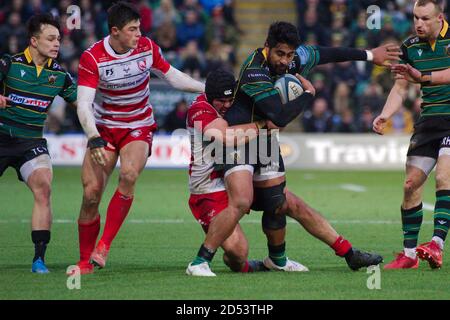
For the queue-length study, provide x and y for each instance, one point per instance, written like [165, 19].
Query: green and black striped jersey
[431, 56]
[31, 90]
[256, 82]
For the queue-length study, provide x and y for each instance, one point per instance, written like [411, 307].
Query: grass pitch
[160, 237]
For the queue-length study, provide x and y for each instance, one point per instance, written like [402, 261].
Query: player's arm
[411, 74]
[234, 135]
[177, 79]
[181, 81]
[380, 55]
[393, 104]
[5, 63]
[267, 100]
[88, 78]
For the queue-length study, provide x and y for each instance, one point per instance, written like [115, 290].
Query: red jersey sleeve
[88, 71]
[158, 60]
[202, 113]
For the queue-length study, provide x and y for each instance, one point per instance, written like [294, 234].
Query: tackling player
[429, 147]
[118, 68]
[208, 195]
[30, 80]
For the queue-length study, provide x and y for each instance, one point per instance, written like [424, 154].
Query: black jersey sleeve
[340, 54]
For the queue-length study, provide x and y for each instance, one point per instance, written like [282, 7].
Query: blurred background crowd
[197, 36]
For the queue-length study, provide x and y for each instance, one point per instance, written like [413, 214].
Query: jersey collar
[111, 51]
[444, 29]
[29, 58]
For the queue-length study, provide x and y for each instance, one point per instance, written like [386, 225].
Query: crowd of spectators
[197, 36]
[351, 94]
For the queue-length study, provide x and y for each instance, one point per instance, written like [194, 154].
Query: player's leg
[320, 228]
[94, 179]
[133, 157]
[235, 254]
[240, 196]
[417, 170]
[270, 198]
[37, 174]
[432, 251]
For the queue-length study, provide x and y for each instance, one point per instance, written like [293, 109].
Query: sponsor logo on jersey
[22, 73]
[42, 104]
[126, 68]
[109, 72]
[420, 51]
[52, 79]
[142, 64]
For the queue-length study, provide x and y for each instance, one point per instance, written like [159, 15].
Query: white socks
[410, 252]
[439, 241]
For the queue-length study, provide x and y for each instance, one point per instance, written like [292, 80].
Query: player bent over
[30, 81]
[208, 195]
[121, 127]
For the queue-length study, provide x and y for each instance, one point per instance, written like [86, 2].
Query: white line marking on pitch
[245, 221]
[353, 187]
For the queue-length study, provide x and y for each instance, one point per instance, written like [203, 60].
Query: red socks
[341, 246]
[118, 209]
[246, 268]
[87, 237]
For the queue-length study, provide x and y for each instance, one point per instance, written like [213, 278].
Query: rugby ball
[289, 87]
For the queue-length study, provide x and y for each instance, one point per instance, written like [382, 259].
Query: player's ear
[114, 31]
[33, 42]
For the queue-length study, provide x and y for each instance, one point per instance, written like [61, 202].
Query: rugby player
[30, 80]
[428, 51]
[121, 127]
[261, 186]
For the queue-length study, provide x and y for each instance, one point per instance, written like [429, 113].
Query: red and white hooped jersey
[122, 81]
[203, 176]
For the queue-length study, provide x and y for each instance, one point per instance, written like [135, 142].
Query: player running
[261, 187]
[30, 80]
[118, 67]
[427, 51]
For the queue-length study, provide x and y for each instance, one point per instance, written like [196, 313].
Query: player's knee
[240, 204]
[273, 221]
[128, 176]
[442, 180]
[42, 192]
[92, 194]
[409, 186]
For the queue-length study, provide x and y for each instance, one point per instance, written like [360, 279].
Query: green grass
[148, 260]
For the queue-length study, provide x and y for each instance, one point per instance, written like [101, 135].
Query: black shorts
[430, 135]
[15, 152]
[430, 149]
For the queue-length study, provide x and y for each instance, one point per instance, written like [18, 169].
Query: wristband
[369, 55]
[97, 142]
[425, 78]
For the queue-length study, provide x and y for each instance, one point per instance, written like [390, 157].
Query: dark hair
[121, 13]
[439, 4]
[35, 23]
[219, 84]
[282, 32]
